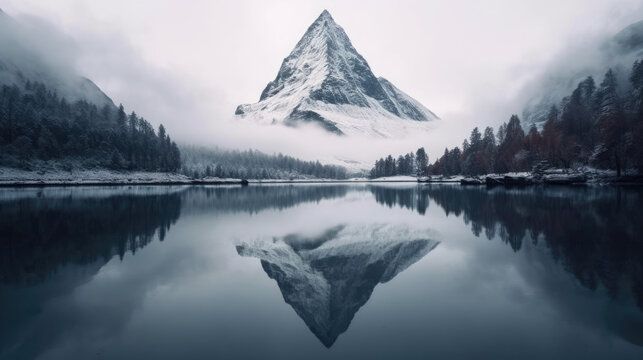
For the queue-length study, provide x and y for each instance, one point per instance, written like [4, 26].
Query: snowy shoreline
[558, 177]
[10, 177]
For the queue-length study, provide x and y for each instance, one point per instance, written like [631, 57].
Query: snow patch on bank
[9, 176]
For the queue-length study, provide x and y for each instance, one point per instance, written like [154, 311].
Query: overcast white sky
[465, 60]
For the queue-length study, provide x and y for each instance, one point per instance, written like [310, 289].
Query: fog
[188, 65]
[23, 40]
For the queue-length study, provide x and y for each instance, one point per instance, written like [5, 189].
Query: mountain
[327, 278]
[25, 58]
[54, 119]
[325, 81]
[630, 39]
[617, 52]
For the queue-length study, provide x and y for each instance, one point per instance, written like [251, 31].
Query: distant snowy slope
[325, 81]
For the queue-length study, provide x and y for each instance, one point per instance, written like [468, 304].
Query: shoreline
[42, 184]
[57, 179]
[23, 184]
[240, 182]
[529, 179]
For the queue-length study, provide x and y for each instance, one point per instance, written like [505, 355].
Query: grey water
[321, 272]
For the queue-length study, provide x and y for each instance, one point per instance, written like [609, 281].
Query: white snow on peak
[325, 81]
[308, 64]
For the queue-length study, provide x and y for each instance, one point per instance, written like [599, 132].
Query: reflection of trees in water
[595, 233]
[253, 199]
[42, 230]
[41, 234]
[414, 198]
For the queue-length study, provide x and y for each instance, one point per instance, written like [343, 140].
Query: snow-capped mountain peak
[326, 81]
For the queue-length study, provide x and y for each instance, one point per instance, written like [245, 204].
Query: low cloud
[194, 94]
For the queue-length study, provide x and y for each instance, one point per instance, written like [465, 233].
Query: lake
[355, 271]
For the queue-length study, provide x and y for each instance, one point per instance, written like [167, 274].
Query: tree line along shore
[594, 135]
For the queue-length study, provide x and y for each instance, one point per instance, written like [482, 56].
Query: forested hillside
[199, 162]
[599, 126]
[37, 125]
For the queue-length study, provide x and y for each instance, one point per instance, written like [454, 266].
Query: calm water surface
[320, 272]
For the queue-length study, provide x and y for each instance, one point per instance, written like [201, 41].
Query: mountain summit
[325, 81]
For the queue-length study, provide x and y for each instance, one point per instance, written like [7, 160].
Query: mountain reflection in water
[328, 277]
[85, 270]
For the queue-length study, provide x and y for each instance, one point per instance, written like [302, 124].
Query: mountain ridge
[324, 80]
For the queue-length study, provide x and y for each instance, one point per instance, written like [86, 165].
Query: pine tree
[389, 166]
[611, 123]
[489, 150]
[421, 162]
[551, 139]
[533, 146]
[506, 159]
[636, 123]
[50, 128]
[121, 118]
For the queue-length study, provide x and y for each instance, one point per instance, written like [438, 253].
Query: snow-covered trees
[35, 124]
[201, 162]
[488, 151]
[408, 164]
[421, 162]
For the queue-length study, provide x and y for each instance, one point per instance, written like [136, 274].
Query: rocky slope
[325, 81]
